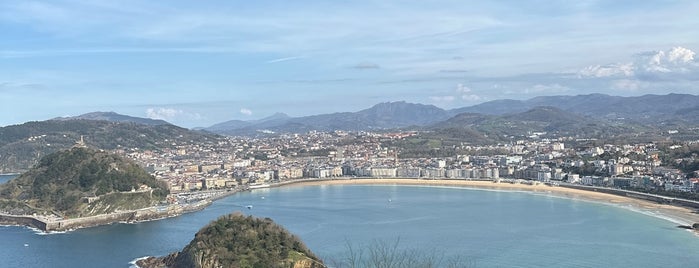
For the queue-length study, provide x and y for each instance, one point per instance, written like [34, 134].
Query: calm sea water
[487, 228]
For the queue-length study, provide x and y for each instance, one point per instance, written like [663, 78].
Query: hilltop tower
[80, 143]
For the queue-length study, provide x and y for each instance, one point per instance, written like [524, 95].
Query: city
[248, 162]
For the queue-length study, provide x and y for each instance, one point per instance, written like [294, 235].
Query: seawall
[145, 214]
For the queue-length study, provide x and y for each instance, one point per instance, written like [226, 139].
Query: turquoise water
[487, 228]
[5, 178]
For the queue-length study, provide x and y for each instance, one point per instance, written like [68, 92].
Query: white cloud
[651, 65]
[171, 114]
[465, 93]
[162, 113]
[461, 92]
[677, 59]
[245, 111]
[460, 88]
[680, 55]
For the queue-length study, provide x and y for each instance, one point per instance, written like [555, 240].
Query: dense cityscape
[250, 162]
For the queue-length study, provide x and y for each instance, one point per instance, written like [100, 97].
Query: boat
[249, 206]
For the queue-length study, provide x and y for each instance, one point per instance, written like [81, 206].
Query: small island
[83, 187]
[236, 240]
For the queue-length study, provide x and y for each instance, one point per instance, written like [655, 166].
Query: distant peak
[275, 116]
[399, 103]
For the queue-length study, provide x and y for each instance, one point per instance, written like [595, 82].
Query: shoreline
[681, 215]
[674, 213]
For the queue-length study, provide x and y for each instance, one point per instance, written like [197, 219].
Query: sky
[197, 63]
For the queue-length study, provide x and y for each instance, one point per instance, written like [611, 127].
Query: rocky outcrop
[239, 241]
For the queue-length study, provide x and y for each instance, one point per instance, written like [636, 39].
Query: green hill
[21, 146]
[62, 182]
[238, 241]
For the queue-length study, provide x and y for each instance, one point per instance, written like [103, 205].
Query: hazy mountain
[22, 145]
[668, 111]
[114, 117]
[547, 119]
[272, 120]
[646, 108]
[381, 116]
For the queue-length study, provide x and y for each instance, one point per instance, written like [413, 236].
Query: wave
[132, 264]
[42, 232]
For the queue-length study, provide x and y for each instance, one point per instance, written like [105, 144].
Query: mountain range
[387, 115]
[646, 108]
[658, 110]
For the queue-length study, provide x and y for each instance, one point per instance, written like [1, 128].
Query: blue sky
[196, 63]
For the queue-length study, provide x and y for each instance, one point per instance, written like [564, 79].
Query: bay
[486, 228]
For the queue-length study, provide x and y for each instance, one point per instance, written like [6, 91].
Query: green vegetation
[428, 145]
[61, 181]
[684, 157]
[21, 146]
[238, 241]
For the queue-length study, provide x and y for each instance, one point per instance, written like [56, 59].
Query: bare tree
[389, 254]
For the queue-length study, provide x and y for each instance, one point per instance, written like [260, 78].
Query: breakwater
[146, 214]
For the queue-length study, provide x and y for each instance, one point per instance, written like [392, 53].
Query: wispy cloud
[285, 59]
[107, 50]
[366, 65]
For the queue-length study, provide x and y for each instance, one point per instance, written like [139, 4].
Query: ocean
[485, 228]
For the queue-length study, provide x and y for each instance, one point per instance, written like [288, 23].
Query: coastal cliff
[238, 241]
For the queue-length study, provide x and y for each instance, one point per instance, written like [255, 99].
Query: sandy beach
[676, 214]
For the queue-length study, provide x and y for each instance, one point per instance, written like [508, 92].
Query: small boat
[26, 245]
[249, 206]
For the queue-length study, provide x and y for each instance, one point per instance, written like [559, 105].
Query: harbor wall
[145, 214]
